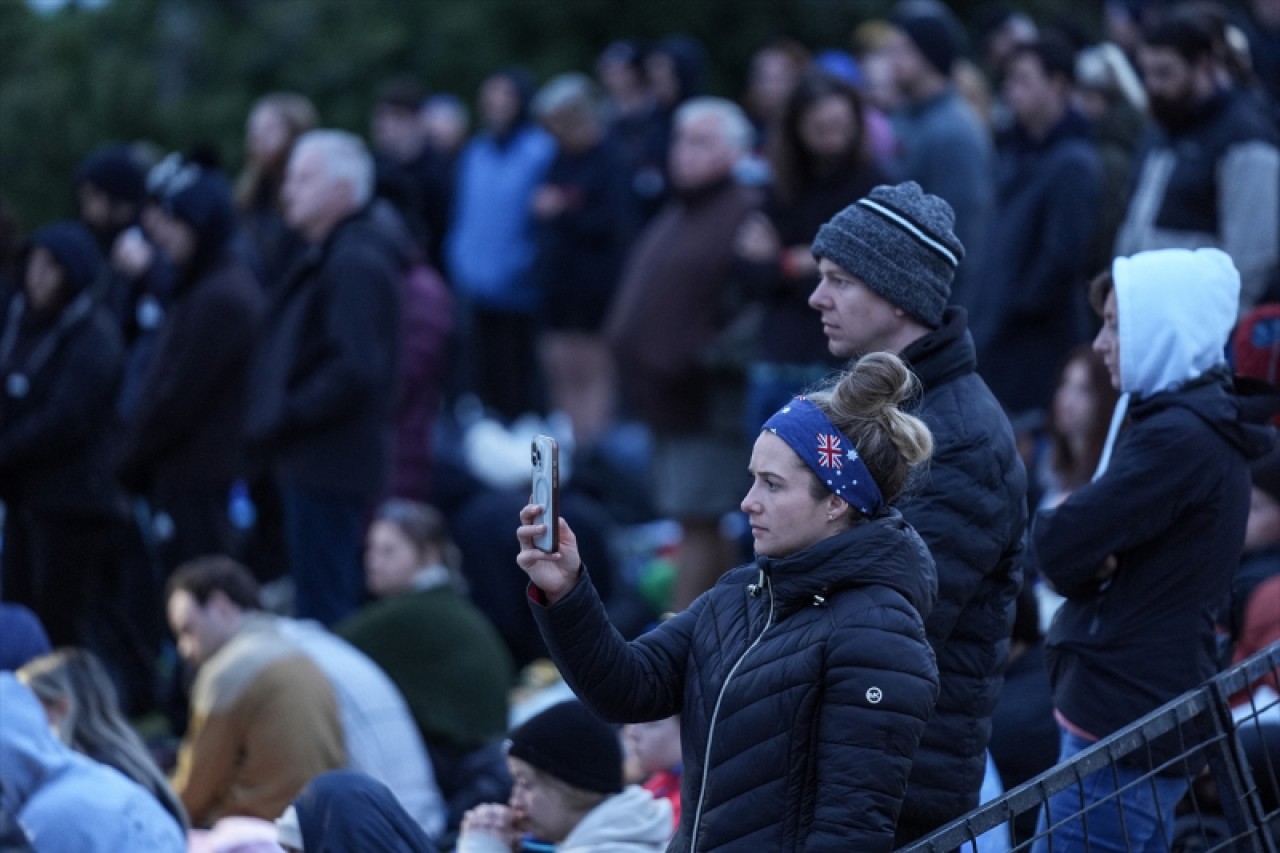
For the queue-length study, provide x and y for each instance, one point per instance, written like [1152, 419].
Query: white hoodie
[1175, 309]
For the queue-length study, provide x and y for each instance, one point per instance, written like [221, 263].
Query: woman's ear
[837, 508]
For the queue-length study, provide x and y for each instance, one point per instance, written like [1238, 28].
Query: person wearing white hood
[65, 802]
[1145, 552]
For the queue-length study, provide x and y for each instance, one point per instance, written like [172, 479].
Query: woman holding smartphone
[803, 679]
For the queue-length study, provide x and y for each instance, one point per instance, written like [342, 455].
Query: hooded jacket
[58, 379]
[1169, 502]
[65, 802]
[344, 811]
[803, 682]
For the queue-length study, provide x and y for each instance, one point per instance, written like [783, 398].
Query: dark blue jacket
[971, 512]
[803, 685]
[343, 810]
[1171, 508]
[1033, 291]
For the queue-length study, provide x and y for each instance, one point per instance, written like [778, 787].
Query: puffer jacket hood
[884, 552]
[1175, 309]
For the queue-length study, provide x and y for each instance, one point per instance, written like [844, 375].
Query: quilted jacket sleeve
[621, 681]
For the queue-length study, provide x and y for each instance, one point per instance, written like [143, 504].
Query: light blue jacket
[491, 244]
[68, 803]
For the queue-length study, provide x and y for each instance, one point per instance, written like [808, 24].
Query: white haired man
[667, 312]
[324, 380]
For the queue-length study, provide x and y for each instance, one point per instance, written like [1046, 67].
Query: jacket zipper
[715, 714]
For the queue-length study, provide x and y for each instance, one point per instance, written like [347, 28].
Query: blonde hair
[866, 403]
[94, 725]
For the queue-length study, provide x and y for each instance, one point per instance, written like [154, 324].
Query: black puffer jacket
[971, 511]
[804, 684]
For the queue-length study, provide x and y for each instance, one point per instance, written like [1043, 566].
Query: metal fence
[1232, 801]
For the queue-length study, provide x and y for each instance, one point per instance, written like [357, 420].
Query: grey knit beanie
[899, 242]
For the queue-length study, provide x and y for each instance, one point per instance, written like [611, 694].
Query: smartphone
[545, 455]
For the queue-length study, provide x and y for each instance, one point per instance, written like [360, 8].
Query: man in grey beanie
[886, 264]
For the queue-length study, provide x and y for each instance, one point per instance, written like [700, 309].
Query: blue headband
[828, 452]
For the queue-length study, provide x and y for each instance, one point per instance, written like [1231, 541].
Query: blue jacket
[803, 684]
[491, 246]
[65, 802]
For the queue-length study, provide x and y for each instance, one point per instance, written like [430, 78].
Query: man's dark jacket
[970, 509]
[803, 684]
[325, 376]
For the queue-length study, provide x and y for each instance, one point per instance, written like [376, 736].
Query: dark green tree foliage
[178, 73]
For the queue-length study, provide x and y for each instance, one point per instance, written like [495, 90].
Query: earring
[831, 516]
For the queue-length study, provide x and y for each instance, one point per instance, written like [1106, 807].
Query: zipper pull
[755, 588]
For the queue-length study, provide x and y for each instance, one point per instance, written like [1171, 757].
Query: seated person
[568, 793]
[65, 802]
[378, 734]
[348, 811]
[80, 701]
[264, 718]
[654, 757]
[443, 654]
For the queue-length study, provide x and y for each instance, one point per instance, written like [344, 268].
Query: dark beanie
[933, 30]
[73, 247]
[199, 196]
[114, 171]
[900, 243]
[572, 744]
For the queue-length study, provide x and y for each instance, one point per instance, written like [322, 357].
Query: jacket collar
[884, 551]
[945, 353]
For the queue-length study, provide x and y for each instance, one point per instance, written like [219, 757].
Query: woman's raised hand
[554, 574]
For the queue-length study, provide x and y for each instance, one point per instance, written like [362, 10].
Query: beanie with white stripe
[900, 242]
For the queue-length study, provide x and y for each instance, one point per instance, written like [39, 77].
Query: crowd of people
[963, 358]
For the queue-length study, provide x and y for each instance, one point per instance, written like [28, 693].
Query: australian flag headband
[828, 452]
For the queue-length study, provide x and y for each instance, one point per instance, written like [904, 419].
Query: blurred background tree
[75, 74]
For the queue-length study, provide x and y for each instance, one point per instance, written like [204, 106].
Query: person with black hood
[182, 446]
[60, 361]
[1048, 193]
[136, 280]
[111, 188]
[491, 247]
[1145, 553]
[803, 679]
[323, 384]
[343, 811]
